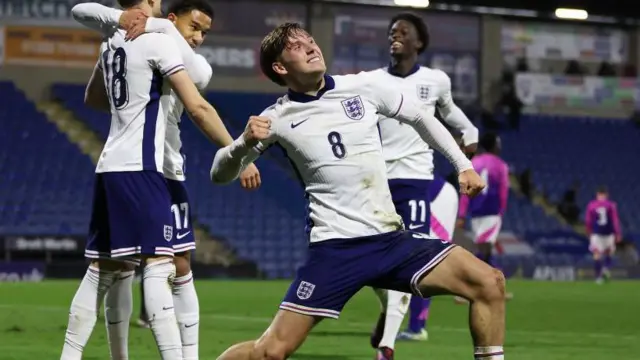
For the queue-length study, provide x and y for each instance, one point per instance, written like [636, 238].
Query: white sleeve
[204, 73]
[164, 26]
[96, 16]
[394, 105]
[231, 160]
[163, 54]
[453, 115]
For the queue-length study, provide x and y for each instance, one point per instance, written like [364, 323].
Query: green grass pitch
[545, 320]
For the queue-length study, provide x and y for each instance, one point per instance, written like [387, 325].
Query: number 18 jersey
[134, 76]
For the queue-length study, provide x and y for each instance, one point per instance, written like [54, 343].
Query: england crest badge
[353, 107]
[305, 290]
[168, 232]
[423, 92]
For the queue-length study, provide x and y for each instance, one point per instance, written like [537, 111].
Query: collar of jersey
[329, 84]
[413, 70]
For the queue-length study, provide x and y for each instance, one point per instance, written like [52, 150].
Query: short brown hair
[272, 47]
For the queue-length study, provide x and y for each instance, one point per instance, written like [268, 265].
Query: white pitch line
[355, 324]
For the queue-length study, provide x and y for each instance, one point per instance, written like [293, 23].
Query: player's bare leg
[187, 307]
[157, 273]
[118, 307]
[463, 274]
[485, 254]
[287, 332]
[85, 305]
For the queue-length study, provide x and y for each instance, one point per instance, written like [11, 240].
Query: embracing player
[603, 229]
[410, 160]
[125, 93]
[328, 127]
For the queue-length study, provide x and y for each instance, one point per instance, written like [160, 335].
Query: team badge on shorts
[305, 290]
[423, 92]
[168, 232]
[353, 107]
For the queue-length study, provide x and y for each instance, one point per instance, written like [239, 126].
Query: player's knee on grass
[285, 335]
[183, 263]
[271, 349]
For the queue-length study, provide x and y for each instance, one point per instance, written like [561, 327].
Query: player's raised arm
[95, 95]
[231, 160]
[453, 115]
[394, 105]
[97, 16]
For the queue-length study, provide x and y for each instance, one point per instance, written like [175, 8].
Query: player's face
[403, 39]
[301, 58]
[193, 26]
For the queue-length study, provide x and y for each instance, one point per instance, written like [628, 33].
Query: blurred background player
[603, 229]
[409, 159]
[486, 210]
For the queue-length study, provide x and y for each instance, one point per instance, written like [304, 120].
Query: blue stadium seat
[46, 180]
[592, 152]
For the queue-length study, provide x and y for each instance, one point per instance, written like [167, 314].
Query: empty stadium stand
[593, 152]
[46, 181]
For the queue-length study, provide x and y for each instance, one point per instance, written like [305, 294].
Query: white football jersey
[332, 140]
[406, 154]
[200, 72]
[134, 75]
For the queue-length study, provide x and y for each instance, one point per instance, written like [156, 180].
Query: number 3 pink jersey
[493, 199]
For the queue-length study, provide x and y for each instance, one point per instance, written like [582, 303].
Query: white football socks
[83, 313]
[118, 307]
[185, 300]
[157, 278]
[397, 306]
[382, 296]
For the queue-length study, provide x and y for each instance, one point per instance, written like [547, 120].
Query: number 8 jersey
[134, 73]
[333, 143]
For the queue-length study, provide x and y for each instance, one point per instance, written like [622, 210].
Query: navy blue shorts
[337, 269]
[412, 202]
[131, 216]
[183, 239]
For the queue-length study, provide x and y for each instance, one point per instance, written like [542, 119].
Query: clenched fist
[258, 129]
[471, 184]
[250, 178]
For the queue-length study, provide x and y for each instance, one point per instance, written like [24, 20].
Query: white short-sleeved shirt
[406, 154]
[140, 99]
